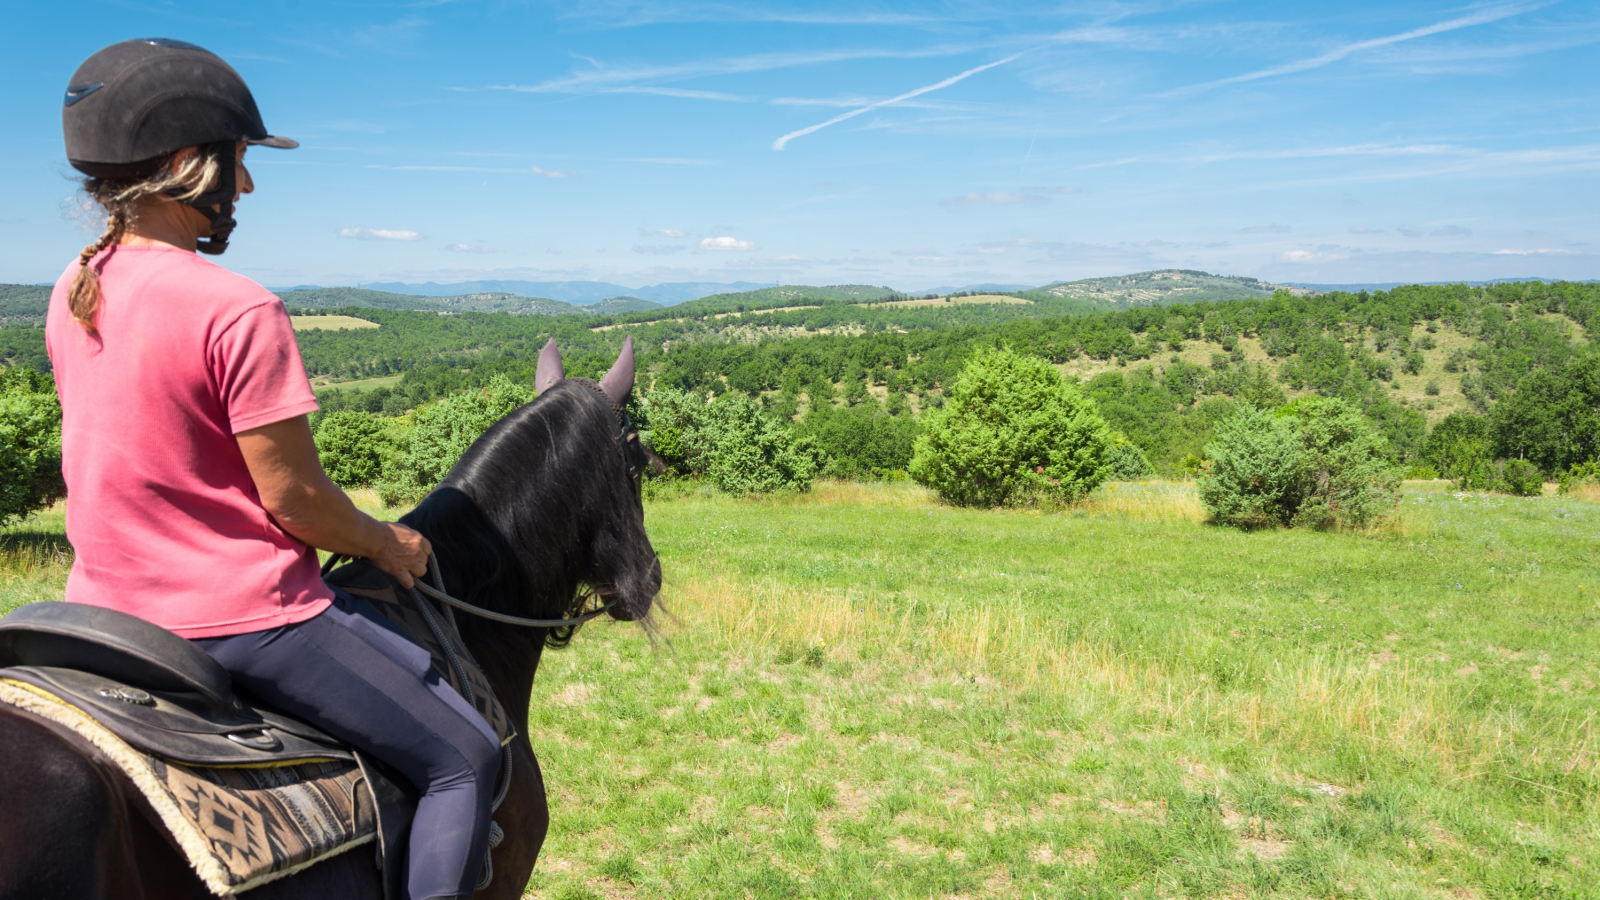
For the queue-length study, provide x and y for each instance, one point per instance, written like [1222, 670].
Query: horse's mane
[530, 513]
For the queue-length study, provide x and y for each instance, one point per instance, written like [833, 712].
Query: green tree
[1011, 425]
[729, 441]
[30, 444]
[352, 446]
[442, 431]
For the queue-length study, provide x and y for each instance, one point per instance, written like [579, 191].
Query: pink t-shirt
[161, 510]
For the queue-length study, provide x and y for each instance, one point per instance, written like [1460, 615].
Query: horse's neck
[509, 657]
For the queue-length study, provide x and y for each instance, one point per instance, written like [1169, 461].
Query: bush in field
[30, 444]
[1350, 479]
[1011, 427]
[1125, 461]
[353, 447]
[1316, 462]
[1581, 475]
[1256, 475]
[440, 432]
[1522, 478]
[728, 441]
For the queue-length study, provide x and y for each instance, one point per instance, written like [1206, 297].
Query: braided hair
[120, 198]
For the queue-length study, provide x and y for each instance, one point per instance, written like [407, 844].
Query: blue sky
[909, 144]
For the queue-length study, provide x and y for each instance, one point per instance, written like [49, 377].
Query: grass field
[860, 692]
[360, 384]
[328, 323]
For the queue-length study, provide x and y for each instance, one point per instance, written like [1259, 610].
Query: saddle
[248, 794]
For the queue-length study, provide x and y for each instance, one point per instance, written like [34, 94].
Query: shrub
[1522, 478]
[1316, 462]
[1351, 480]
[30, 444]
[728, 441]
[1423, 472]
[1256, 476]
[352, 447]
[746, 452]
[1432, 388]
[1580, 475]
[1011, 426]
[1125, 461]
[440, 432]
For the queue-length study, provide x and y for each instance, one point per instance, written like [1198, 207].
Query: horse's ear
[549, 372]
[618, 382]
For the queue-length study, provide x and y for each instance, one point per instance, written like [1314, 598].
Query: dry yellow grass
[328, 323]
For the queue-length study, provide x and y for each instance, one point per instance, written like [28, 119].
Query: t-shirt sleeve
[255, 363]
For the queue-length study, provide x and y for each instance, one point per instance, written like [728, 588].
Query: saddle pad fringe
[239, 827]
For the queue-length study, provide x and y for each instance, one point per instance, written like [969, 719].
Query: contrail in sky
[780, 142]
[1480, 18]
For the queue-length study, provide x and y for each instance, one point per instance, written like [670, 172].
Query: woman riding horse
[194, 493]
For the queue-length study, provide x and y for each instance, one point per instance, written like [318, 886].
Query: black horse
[546, 502]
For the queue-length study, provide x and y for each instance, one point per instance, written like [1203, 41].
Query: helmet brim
[281, 143]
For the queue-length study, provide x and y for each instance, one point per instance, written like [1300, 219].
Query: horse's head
[547, 501]
[625, 569]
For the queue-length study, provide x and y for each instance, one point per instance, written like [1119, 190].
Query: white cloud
[991, 251]
[547, 173]
[1307, 256]
[917, 251]
[725, 243]
[468, 248]
[1265, 229]
[1541, 251]
[657, 249]
[669, 232]
[379, 234]
[992, 198]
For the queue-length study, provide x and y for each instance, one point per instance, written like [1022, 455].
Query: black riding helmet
[129, 107]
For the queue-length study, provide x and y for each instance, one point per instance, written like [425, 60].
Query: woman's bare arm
[282, 459]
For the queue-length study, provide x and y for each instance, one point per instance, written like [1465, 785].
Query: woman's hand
[404, 554]
[282, 458]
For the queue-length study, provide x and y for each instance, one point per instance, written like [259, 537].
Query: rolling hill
[1160, 288]
[23, 304]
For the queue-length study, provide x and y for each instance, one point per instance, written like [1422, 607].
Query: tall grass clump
[1316, 462]
[1012, 427]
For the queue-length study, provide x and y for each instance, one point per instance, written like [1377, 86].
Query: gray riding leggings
[351, 673]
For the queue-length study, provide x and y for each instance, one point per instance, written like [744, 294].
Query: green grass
[862, 693]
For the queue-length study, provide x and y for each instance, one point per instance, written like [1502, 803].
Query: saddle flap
[111, 644]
